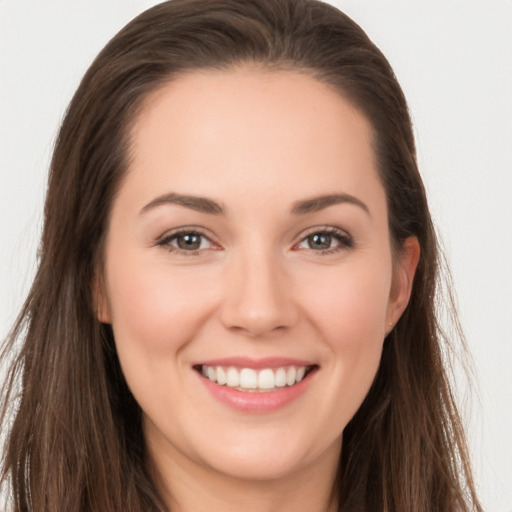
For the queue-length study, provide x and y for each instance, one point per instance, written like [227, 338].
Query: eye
[186, 241]
[326, 241]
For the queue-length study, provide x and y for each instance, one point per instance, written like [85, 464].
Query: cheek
[350, 307]
[154, 309]
[351, 317]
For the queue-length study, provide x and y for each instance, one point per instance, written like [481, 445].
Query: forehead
[251, 129]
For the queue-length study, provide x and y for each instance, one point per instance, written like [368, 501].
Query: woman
[234, 306]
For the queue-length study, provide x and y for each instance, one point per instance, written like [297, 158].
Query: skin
[256, 142]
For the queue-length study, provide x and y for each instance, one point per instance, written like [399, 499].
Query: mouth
[251, 380]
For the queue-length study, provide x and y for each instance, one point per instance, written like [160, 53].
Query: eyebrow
[198, 203]
[205, 205]
[318, 203]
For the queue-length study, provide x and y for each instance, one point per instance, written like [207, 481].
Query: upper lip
[247, 362]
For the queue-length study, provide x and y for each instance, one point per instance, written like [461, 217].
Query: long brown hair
[75, 441]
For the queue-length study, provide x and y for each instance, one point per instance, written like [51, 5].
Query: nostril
[258, 302]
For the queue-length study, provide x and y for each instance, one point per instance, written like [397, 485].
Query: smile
[257, 386]
[252, 380]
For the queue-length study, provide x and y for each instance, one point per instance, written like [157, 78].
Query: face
[248, 273]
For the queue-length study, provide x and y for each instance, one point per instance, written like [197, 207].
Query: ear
[100, 299]
[403, 277]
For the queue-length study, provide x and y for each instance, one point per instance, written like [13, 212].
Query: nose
[258, 296]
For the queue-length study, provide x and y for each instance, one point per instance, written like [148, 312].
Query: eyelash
[345, 241]
[170, 237]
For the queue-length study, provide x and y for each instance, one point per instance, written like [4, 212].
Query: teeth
[266, 379]
[221, 376]
[290, 376]
[281, 377]
[212, 373]
[250, 379]
[233, 380]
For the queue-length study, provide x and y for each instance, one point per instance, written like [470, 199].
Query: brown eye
[189, 241]
[319, 241]
[186, 241]
[326, 241]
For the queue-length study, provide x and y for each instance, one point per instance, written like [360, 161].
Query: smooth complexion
[220, 252]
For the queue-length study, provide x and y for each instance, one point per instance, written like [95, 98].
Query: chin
[263, 457]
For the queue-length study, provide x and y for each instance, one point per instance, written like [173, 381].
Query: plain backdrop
[453, 59]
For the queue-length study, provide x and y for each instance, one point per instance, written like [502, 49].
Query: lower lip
[257, 402]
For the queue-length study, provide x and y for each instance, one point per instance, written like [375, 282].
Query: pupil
[319, 241]
[189, 242]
